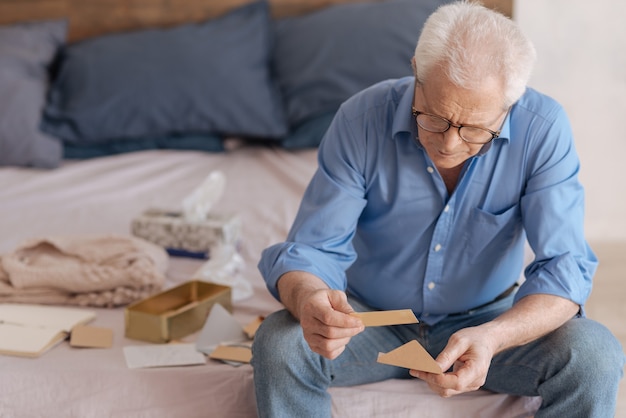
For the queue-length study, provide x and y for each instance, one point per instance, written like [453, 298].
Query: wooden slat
[89, 18]
[503, 6]
[13, 11]
[284, 8]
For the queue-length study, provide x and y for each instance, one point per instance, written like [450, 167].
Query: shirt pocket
[488, 234]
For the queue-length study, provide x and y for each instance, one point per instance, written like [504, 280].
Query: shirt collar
[505, 132]
[403, 120]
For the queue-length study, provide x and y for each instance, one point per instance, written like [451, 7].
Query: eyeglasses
[468, 133]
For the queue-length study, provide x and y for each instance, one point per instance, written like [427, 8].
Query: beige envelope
[411, 356]
[383, 318]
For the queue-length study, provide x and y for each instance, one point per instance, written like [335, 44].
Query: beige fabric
[86, 270]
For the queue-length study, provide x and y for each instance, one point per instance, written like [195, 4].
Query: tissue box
[182, 237]
[175, 313]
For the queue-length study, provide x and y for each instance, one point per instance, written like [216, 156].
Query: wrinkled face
[480, 108]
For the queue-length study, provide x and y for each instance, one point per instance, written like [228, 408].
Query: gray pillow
[212, 77]
[26, 51]
[323, 58]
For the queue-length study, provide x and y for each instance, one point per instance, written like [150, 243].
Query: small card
[410, 356]
[251, 328]
[383, 318]
[140, 356]
[92, 337]
[220, 327]
[232, 353]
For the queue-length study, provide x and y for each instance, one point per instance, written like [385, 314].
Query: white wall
[581, 47]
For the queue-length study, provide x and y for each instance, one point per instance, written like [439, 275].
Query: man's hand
[326, 323]
[323, 313]
[469, 351]
[469, 354]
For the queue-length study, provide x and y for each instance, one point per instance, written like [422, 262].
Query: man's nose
[451, 138]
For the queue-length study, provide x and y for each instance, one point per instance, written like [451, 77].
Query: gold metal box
[175, 313]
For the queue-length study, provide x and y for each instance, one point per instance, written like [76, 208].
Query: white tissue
[224, 267]
[199, 202]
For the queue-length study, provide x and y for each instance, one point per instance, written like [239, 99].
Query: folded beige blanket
[100, 270]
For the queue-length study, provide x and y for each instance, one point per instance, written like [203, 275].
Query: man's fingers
[329, 348]
[445, 385]
[326, 322]
[341, 308]
[448, 384]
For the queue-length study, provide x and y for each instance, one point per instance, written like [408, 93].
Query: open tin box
[175, 313]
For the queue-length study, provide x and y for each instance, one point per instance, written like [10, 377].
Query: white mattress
[102, 196]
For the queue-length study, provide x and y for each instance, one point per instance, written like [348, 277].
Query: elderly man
[427, 189]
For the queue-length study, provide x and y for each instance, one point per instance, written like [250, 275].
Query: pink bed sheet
[263, 186]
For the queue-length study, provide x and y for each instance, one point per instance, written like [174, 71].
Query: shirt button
[430, 170]
[447, 208]
[437, 247]
[431, 285]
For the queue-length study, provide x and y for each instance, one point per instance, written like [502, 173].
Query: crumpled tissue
[225, 267]
[198, 204]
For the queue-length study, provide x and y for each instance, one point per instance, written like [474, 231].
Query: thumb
[339, 301]
[449, 355]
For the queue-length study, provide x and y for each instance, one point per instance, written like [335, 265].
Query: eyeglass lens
[437, 124]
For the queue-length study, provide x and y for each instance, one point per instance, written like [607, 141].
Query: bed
[264, 182]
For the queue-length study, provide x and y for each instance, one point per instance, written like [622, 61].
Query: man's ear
[413, 66]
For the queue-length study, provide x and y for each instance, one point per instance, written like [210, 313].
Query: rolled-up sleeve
[320, 239]
[553, 212]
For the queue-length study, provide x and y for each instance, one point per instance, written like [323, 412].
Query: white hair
[470, 43]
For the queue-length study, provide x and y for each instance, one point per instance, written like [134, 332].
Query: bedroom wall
[581, 48]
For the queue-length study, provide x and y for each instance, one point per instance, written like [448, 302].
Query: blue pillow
[207, 143]
[323, 58]
[211, 77]
[309, 133]
[26, 52]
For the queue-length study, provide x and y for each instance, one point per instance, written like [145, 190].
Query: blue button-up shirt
[377, 220]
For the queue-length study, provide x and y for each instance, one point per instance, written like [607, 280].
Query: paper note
[139, 356]
[30, 330]
[93, 337]
[411, 356]
[232, 353]
[56, 317]
[383, 318]
[17, 340]
[220, 328]
[251, 328]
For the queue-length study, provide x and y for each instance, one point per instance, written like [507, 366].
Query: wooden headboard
[89, 18]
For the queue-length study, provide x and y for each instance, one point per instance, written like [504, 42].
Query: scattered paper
[220, 328]
[165, 355]
[239, 354]
[383, 318]
[17, 340]
[60, 318]
[30, 330]
[411, 356]
[92, 337]
[251, 328]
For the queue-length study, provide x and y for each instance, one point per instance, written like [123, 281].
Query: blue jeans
[575, 369]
